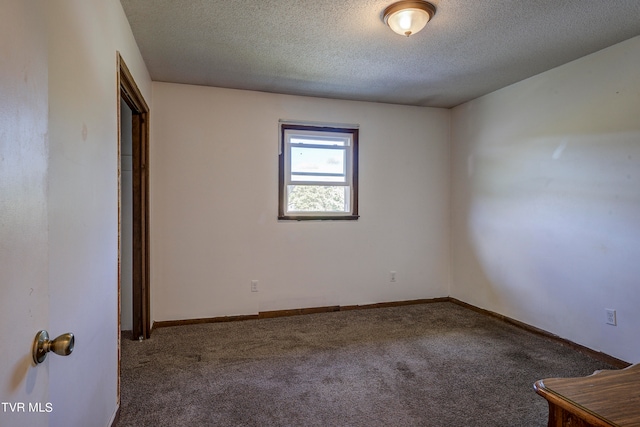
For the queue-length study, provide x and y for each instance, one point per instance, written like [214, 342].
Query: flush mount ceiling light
[408, 17]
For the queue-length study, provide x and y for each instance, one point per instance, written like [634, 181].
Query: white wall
[546, 200]
[84, 36]
[214, 228]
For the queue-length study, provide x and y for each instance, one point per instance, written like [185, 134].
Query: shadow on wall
[557, 210]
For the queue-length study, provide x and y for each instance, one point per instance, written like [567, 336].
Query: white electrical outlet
[254, 286]
[611, 316]
[392, 276]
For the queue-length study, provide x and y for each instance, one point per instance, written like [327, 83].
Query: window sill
[318, 217]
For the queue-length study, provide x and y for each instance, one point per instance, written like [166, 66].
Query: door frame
[129, 92]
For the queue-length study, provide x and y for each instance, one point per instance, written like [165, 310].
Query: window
[318, 172]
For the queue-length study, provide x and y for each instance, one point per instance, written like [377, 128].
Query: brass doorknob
[63, 345]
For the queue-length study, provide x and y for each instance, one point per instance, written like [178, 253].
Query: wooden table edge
[570, 406]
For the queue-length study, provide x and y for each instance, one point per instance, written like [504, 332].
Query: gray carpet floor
[436, 364]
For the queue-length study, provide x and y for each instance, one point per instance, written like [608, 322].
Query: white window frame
[346, 140]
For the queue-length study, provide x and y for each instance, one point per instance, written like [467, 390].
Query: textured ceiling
[342, 49]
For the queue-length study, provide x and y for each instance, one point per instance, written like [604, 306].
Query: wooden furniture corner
[608, 398]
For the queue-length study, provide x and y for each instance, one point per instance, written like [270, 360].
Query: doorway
[126, 220]
[134, 120]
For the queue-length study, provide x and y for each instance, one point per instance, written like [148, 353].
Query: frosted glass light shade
[408, 17]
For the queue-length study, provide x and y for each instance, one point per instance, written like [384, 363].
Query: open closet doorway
[133, 227]
[126, 219]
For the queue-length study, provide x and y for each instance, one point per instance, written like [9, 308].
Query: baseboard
[393, 304]
[312, 310]
[169, 323]
[115, 418]
[586, 350]
[297, 312]
[292, 312]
